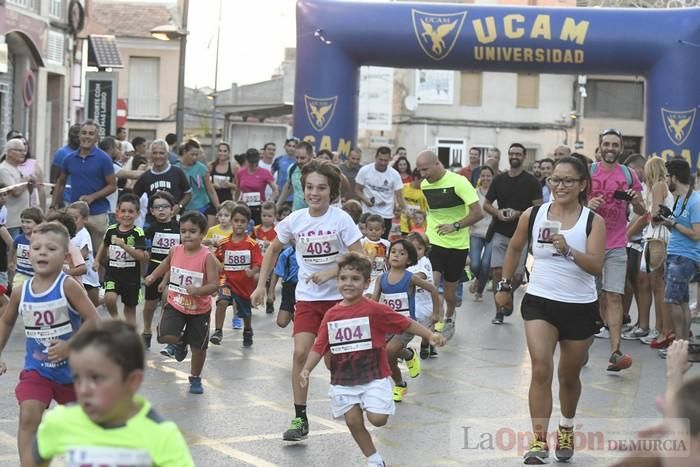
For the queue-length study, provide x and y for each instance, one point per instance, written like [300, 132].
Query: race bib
[252, 198]
[397, 302]
[180, 279]
[47, 321]
[263, 245]
[23, 256]
[219, 180]
[235, 260]
[119, 258]
[98, 456]
[163, 242]
[378, 265]
[321, 249]
[349, 335]
[547, 229]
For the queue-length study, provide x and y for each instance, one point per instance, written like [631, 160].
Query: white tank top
[553, 276]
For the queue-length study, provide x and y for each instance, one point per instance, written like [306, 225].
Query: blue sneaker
[196, 385]
[237, 323]
[180, 351]
[168, 351]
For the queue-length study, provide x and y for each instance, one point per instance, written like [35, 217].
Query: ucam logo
[320, 110]
[437, 33]
[678, 124]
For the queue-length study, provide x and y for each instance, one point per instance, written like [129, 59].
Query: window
[528, 95]
[144, 99]
[614, 99]
[470, 89]
[55, 47]
[451, 151]
[28, 4]
[56, 8]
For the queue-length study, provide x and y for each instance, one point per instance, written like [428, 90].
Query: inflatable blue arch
[336, 37]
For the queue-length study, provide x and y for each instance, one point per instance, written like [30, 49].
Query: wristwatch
[457, 225]
[504, 285]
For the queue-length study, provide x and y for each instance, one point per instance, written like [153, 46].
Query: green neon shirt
[448, 202]
[145, 440]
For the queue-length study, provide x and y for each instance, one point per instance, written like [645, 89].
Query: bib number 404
[348, 334]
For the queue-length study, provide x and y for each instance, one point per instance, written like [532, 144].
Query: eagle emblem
[678, 124]
[437, 33]
[320, 111]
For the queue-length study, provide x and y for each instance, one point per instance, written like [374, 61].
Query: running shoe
[180, 351]
[619, 361]
[216, 337]
[498, 319]
[399, 392]
[237, 323]
[626, 322]
[603, 333]
[565, 444]
[506, 311]
[538, 454]
[298, 430]
[433, 352]
[439, 326]
[472, 287]
[270, 308]
[196, 385]
[635, 333]
[478, 297]
[664, 342]
[448, 330]
[247, 337]
[147, 340]
[663, 353]
[424, 352]
[376, 464]
[651, 337]
[168, 350]
[413, 365]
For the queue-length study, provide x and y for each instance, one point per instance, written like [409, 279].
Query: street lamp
[170, 32]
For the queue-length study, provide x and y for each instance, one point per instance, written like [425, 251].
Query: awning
[260, 111]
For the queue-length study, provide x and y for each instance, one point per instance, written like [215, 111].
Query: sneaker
[376, 464]
[565, 444]
[237, 323]
[216, 337]
[448, 330]
[297, 431]
[413, 365]
[651, 337]
[478, 297]
[399, 392]
[247, 337]
[604, 333]
[270, 308]
[147, 340]
[433, 352]
[619, 361]
[424, 352]
[472, 287]
[538, 454]
[168, 350]
[635, 333]
[498, 319]
[664, 342]
[663, 353]
[506, 311]
[439, 326]
[196, 385]
[180, 351]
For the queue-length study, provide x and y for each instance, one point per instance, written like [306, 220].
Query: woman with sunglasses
[561, 303]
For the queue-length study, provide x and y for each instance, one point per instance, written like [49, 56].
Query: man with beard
[473, 171]
[683, 250]
[514, 191]
[613, 188]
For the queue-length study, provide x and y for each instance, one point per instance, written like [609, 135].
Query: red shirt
[237, 258]
[353, 368]
[264, 237]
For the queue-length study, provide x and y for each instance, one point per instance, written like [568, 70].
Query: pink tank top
[188, 270]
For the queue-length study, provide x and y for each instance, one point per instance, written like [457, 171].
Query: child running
[161, 235]
[397, 289]
[110, 425]
[355, 332]
[321, 233]
[241, 258]
[51, 308]
[80, 212]
[193, 275]
[376, 248]
[423, 301]
[74, 265]
[287, 269]
[123, 248]
[264, 233]
[221, 231]
[19, 261]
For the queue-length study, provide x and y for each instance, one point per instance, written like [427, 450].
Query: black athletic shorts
[152, 290]
[196, 327]
[130, 292]
[574, 321]
[288, 296]
[449, 262]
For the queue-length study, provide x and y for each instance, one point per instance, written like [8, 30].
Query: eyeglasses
[519, 154]
[567, 182]
[161, 207]
[611, 131]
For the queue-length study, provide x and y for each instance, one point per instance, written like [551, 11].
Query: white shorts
[375, 397]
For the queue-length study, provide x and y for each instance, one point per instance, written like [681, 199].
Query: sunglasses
[611, 131]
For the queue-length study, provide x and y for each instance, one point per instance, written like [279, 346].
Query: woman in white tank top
[561, 303]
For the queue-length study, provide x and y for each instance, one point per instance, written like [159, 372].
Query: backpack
[533, 215]
[625, 169]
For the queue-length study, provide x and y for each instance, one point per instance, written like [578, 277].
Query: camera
[664, 211]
